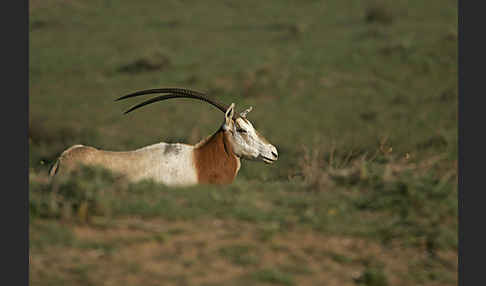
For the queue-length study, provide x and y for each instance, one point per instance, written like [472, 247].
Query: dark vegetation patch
[379, 11]
[401, 49]
[39, 24]
[448, 94]
[285, 31]
[372, 276]
[368, 116]
[436, 141]
[273, 276]
[157, 62]
[171, 24]
[240, 254]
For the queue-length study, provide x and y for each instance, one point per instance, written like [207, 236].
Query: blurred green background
[359, 96]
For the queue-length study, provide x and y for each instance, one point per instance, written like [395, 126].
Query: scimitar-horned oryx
[214, 160]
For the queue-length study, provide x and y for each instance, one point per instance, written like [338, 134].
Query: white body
[170, 164]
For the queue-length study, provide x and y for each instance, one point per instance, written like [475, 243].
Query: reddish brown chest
[215, 161]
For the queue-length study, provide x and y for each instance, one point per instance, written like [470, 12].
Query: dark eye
[240, 130]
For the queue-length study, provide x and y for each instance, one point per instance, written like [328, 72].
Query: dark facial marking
[240, 130]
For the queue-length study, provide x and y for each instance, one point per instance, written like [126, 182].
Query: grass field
[360, 98]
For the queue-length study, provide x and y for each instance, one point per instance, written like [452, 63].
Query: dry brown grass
[141, 252]
[313, 169]
[319, 166]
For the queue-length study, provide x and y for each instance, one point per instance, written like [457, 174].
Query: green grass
[240, 254]
[273, 276]
[360, 98]
[407, 207]
[372, 276]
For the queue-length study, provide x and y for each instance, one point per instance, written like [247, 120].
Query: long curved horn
[172, 93]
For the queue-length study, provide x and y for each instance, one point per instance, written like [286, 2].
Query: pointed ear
[229, 113]
[244, 113]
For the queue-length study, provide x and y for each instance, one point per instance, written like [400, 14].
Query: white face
[247, 143]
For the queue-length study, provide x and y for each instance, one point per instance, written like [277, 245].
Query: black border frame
[470, 85]
[15, 84]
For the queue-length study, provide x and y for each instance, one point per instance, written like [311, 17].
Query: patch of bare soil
[161, 252]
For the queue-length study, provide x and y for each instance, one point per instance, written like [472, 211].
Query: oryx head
[246, 142]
